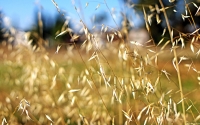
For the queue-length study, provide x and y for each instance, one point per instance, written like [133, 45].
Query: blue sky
[21, 12]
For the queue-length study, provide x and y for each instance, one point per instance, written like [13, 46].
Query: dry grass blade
[73, 100]
[62, 97]
[189, 66]
[188, 108]
[53, 82]
[97, 6]
[182, 41]
[127, 115]
[58, 48]
[27, 114]
[94, 55]
[86, 4]
[195, 5]
[149, 19]
[160, 41]
[105, 29]
[173, 62]
[108, 38]
[194, 69]
[197, 53]
[182, 58]
[156, 60]
[146, 20]
[157, 81]
[198, 78]
[49, 118]
[184, 17]
[84, 119]
[119, 34]
[197, 13]
[56, 5]
[164, 30]
[165, 45]
[180, 101]
[171, 1]
[74, 37]
[102, 72]
[112, 37]
[197, 118]
[146, 107]
[158, 19]
[166, 74]
[195, 31]
[90, 83]
[115, 94]
[62, 33]
[86, 31]
[53, 64]
[151, 51]
[172, 34]
[113, 121]
[157, 9]
[136, 43]
[191, 44]
[4, 122]
[74, 90]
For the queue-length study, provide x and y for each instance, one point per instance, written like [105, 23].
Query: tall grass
[123, 82]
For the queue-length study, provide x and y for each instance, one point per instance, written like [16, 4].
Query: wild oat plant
[110, 80]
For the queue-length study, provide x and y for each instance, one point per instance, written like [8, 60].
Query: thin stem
[176, 61]
[193, 22]
[110, 13]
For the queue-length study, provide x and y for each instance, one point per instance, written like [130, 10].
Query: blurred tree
[174, 11]
[1, 25]
[46, 29]
[100, 18]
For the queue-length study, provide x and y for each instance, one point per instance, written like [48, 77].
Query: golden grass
[121, 83]
[48, 87]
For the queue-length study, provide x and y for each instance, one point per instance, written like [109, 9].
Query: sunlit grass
[62, 89]
[120, 82]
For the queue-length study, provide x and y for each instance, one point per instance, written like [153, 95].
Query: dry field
[103, 86]
[113, 83]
